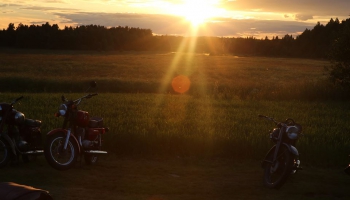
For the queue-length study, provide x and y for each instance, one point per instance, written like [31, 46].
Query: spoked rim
[93, 159]
[3, 152]
[277, 171]
[58, 155]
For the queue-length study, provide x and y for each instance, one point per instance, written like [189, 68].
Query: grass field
[175, 178]
[204, 144]
[217, 76]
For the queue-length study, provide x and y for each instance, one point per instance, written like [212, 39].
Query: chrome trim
[19, 117]
[80, 143]
[67, 139]
[62, 109]
[34, 152]
[294, 150]
[95, 152]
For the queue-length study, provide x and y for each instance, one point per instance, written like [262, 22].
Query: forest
[312, 43]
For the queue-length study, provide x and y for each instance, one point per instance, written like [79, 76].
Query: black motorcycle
[283, 158]
[18, 136]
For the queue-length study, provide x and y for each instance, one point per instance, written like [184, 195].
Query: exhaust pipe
[95, 152]
[36, 152]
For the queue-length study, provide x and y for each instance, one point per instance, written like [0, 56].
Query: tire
[90, 159]
[275, 176]
[56, 157]
[5, 153]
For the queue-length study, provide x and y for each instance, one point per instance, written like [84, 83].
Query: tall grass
[182, 125]
[223, 77]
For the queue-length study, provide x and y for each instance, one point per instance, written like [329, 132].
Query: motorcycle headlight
[62, 109]
[19, 117]
[292, 132]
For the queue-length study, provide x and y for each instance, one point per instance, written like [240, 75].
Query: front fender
[291, 149]
[64, 131]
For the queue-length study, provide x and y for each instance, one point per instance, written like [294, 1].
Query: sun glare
[197, 11]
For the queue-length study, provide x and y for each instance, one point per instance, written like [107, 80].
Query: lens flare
[181, 84]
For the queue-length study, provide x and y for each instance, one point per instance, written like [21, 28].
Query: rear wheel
[58, 157]
[275, 175]
[5, 153]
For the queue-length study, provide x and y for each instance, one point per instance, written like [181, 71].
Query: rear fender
[65, 132]
[291, 149]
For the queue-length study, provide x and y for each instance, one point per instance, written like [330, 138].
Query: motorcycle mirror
[93, 84]
[15, 101]
[63, 98]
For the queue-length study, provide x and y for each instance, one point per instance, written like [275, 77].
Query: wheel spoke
[61, 156]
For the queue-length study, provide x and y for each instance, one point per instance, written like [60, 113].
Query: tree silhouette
[339, 55]
[312, 43]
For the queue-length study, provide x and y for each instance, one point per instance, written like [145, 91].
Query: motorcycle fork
[67, 139]
[100, 141]
[278, 145]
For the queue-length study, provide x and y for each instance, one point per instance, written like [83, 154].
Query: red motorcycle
[80, 136]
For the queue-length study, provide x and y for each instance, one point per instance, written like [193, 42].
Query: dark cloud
[38, 22]
[319, 6]
[45, 8]
[302, 7]
[9, 5]
[167, 24]
[303, 17]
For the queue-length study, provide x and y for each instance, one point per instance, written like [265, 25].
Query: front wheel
[4, 153]
[275, 175]
[58, 157]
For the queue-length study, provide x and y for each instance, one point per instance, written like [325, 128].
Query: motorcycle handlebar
[77, 101]
[269, 118]
[91, 95]
[19, 98]
[16, 100]
[288, 121]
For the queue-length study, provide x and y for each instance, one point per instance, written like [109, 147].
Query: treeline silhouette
[314, 43]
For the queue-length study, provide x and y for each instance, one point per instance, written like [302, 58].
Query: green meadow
[217, 116]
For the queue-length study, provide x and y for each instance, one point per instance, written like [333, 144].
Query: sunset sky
[227, 18]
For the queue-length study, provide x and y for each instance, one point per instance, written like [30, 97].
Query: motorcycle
[282, 159]
[80, 136]
[19, 136]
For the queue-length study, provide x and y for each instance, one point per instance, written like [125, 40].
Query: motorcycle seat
[32, 122]
[96, 122]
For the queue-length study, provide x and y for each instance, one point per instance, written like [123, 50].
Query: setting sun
[197, 12]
